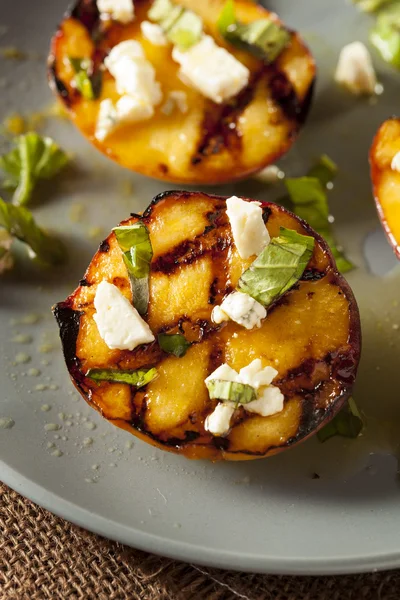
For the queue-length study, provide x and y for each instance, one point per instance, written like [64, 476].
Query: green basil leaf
[175, 344]
[385, 36]
[19, 223]
[138, 378]
[371, 5]
[263, 38]
[89, 85]
[325, 170]
[347, 423]
[34, 157]
[239, 393]
[134, 241]
[181, 26]
[279, 266]
[310, 202]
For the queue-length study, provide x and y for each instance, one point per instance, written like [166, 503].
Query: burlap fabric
[43, 557]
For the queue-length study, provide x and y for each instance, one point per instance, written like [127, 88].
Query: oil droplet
[46, 348]
[22, 358]
[57, 437]
[34, 372]
[95, 467]
[41, 387]
[28, 319]
[90, 480]
[62, 416]
[87, 442]
[111, 450]
[46, 363]
[6, 423]
[64, 438]
[51, 445]
[57, 453]
[129, 445]
[90, 425]
[68, 423]
[52, 427]
[22, 339]
[112, 465]
[45, 407]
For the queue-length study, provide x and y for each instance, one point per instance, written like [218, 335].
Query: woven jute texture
[43, 557]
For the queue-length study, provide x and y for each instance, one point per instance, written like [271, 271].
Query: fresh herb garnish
[182, 27]
[309, 201]
[134, 241]
[20, 224]
[175, 344]
[137, 378]
[264, 38]
[86, 82]
[385, 36]
[347, 423]
[278, 267]
[34, 157]
[238, 393]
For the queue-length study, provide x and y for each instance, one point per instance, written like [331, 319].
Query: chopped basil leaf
[137, 378]
[19, 223]
[175, 344]
[325, 170]
[310, 202]
[134, 241]
[279, 266]
[264, 38]
[87, 82]
[371, 5]
[347, 423]
[182, 27]
[34, 157]
[385, 36]
[239, 393]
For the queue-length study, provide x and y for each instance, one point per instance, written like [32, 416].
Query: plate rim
[188, 552]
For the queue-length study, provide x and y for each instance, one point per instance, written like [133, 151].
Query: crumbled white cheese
[224, 372]
[153, 33]
[271, 174]
[122, 11]
[257, 376]
[131, 109]
[248, 228]
[396, 162]
[355, 69]
[118, 322]
[107, 119]
[242, 309]
[219, 421]
[175, 99]
[269, 401]
[212, 70]
[135, 81]
[134, 74]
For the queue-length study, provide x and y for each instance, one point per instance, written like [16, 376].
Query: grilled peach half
[311, 335]
[210, 143]
[386, 180]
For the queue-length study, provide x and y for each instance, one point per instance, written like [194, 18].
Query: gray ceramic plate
[266, 516]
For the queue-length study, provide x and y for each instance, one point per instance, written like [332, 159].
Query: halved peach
[386, 180]
[311, 335]
[210, 143]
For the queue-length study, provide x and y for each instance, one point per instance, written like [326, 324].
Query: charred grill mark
[58, 85]
[213, 291]
[68, 321]
[87, 13]
[266, 213]
[104, 246]
[312, 275]
[85, 283]
[220, 124]
[221, 443]
[284, 94]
